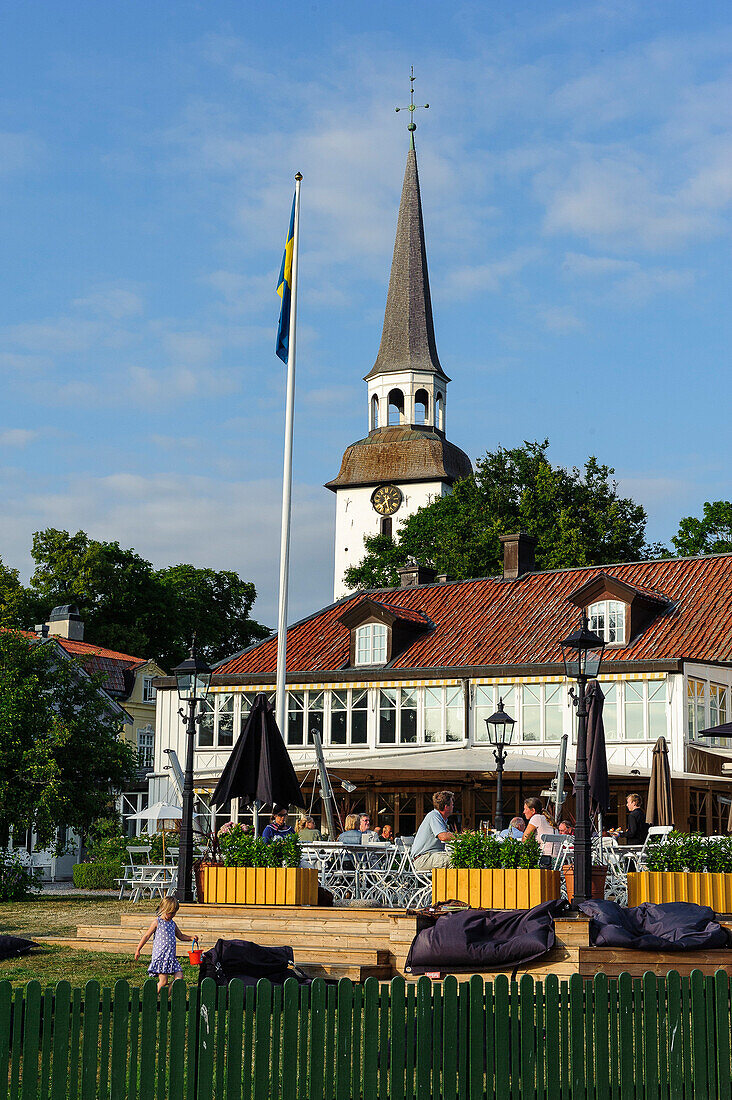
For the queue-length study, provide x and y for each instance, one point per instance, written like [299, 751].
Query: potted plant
[256, 872]
[686, 867]
[597, 888]
[490, 874]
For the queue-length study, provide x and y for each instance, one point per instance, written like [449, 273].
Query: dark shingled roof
[408, 337]
[401, 454]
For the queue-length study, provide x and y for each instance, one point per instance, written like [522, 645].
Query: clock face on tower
[386, 499]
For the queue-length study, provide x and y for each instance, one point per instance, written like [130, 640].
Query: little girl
[164, 929]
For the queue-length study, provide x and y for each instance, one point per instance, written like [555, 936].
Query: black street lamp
[500, 731]
[582, 655]
[193, 676]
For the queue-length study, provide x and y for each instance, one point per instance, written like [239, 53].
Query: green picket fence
[630, 1038]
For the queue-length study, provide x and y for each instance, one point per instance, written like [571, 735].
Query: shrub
[691, 852]
[96, 876]
[241, 848]
[483, 852]
[17, 879]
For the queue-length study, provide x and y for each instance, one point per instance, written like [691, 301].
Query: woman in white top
[537, 823]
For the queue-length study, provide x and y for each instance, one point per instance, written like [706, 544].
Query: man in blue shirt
[278, 826]
[429, 850]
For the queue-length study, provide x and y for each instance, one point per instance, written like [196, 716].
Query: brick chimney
[519, 552]
[414, 574]
[66, 622]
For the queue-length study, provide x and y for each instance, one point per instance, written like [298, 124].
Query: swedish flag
[284, 289]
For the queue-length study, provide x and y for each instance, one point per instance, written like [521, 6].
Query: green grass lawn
[59, 916]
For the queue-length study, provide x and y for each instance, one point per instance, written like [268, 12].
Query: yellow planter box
[702, 887]
[499, 889]
[258, 885]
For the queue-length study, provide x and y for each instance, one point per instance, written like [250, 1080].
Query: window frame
[149, 693]
[608, 603]
[371, 627]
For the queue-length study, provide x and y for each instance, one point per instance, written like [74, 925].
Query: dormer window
[607, 619]
[371, 641]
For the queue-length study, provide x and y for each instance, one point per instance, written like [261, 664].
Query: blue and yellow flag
[284, 289]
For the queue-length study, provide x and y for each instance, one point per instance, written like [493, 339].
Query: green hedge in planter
[239, 847]
[96, 876]
[485, 852]
[691, 852]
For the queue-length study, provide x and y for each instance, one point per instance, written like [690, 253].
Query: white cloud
[623, 282]
[209, 522]
[559, 319]
[114, 302]
[17, 437]
[488, 277]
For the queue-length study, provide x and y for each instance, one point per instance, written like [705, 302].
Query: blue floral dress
[163, 959]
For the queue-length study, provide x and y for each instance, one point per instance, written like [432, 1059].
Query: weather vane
[412, 105]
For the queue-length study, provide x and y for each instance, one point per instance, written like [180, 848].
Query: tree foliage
[128, 605]
[712, 534]
[61, 754]
[577, 516]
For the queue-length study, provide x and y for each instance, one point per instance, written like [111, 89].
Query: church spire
[408, 336]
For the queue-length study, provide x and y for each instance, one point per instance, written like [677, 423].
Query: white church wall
[356, 518]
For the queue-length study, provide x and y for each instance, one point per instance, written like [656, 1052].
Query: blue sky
[576, 169]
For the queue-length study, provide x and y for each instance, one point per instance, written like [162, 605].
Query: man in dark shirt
[636, 830]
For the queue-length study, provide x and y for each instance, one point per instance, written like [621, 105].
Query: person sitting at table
[565, 828]
[278, 826]
[306, 831]
[368, 836]
[636, 829]
[387, 834]
[428, 849]
[515, 830]
[351, 833]
[538, 826]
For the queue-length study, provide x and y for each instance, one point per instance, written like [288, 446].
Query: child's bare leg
[178, 976]
[162, 981]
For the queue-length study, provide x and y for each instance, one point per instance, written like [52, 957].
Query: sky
[576, 174]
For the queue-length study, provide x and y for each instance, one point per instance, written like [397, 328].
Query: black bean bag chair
[673, 926]
[249, 962]
[484, 939]
[11, 947]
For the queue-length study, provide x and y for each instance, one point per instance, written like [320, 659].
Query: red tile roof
[497, 622]
[96, 658]
[407, 614]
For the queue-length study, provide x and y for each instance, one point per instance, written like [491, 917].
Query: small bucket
[194, 955]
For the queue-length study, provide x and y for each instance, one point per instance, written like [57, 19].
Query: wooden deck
[362, 943]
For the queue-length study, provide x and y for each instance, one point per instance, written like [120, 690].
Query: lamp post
[193, 676]
[500, 731]
[582, 656]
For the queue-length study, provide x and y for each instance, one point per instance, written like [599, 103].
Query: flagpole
[287, 477]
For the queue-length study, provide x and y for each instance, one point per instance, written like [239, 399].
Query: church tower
[405, 461]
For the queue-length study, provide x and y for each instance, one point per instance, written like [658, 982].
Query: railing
[630, 1039]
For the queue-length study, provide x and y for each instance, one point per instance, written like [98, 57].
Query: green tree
[61, 755]
[576, 515]
[213, 605]
[712, 534]
[17, 604]
[129, 606]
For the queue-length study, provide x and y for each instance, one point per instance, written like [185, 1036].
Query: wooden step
[613, 961]
[314, 955]
[264, 924]
[313, 967]
[276, 937]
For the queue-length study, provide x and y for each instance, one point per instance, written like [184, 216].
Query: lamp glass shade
[582, 653]
[193, 677]
[500, 726]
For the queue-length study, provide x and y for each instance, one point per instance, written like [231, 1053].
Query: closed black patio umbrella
[599, 781]
[259, 768]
